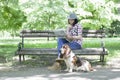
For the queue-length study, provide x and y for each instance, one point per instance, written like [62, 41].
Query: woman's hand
[70, 38]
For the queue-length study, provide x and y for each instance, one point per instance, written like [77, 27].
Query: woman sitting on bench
[73, 36]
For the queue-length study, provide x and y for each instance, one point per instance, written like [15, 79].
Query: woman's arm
[79, 33]
[73, 37]
[77, 37]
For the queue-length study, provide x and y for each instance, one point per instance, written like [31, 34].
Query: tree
[49, 14]
[44, 14]
[94, 14]
[11, 16]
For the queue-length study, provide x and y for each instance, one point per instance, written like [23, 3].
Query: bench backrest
[45, 33]
[48, 34]
[93, 33]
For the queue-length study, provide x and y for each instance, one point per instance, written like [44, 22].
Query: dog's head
[65, 49]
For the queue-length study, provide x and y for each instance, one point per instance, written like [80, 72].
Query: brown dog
[73, 62]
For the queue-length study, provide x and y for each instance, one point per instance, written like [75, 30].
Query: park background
[17, 15]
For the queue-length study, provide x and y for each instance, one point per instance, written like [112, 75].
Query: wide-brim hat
[72, 16]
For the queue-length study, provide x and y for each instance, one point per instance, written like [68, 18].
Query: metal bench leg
[20, 58]
[23, 57]
[101, 58]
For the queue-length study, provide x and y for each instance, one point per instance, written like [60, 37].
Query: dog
[73, 62]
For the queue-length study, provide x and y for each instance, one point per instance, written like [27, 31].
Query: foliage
[117, 1]
[96, 13]
[11, 16]
[93, 14]
[115, 28]
[52, 14]
[44, 15]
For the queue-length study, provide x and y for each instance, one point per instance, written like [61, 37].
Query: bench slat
[52, 31]
[93, 31]
[85, 51]
[91, 51]
[52, 35]
[93, 35]
[86, 33]
[37, 35]
[36, 31]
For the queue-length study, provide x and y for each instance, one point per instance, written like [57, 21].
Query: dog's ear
[67, 49]
[61, 55]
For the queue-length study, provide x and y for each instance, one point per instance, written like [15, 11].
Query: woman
[73, 36]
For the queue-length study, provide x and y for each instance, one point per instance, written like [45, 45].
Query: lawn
[9, 46]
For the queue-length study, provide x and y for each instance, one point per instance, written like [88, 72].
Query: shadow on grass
[45, 61]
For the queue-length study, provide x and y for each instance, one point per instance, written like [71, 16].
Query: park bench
[21, 51]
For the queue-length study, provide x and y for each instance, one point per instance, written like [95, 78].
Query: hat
[72, 16]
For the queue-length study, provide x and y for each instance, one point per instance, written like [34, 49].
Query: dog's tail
[92, 69]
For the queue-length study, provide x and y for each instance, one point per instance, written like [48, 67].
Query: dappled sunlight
[116, 70]
[43, 78]
[114, 62]
[45, 74]
[3, 68]
[117, 52]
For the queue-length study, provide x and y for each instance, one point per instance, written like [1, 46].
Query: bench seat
[53, 51]
[38, 51]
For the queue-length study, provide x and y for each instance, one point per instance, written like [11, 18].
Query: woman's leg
[60, 42]
[74, 45]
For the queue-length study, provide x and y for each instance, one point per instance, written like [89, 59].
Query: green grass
[9, 46]
[112, 44]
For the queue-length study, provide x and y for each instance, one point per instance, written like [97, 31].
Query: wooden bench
[21, 51]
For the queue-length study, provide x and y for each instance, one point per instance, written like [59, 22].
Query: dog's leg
[71, 67]
[75, 68]
[91, 68]
[67, 65]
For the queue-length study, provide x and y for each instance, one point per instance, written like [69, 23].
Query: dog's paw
[71, 70]
[94, 70]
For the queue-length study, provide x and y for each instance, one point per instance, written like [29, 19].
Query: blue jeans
[73, 45]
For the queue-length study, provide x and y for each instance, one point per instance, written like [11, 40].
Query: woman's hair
[75, 22]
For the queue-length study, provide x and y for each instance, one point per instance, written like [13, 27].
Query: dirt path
[45, 74]
[21, 72]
